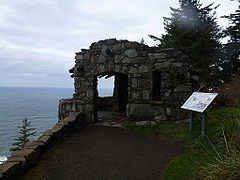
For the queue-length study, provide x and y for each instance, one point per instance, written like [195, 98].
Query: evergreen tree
[229, 62]
[24, 133]
[142, 41]
[193, 29]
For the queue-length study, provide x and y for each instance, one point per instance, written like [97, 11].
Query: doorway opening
[111, 95]
[105, 86]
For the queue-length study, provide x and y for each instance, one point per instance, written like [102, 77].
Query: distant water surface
[102, 92]
[39, 105]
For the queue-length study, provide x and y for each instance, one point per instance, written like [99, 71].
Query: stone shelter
[150, 83]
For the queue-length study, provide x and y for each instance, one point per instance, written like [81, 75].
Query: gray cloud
[38, 39]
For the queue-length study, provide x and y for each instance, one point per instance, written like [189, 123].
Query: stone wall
[138, 62]
[65, 107]
[105, 104]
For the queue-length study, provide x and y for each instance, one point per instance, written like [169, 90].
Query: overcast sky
[39, 38]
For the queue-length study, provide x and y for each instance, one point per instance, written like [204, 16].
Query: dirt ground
[105, 153]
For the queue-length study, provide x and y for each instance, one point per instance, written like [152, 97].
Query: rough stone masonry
[150, 83]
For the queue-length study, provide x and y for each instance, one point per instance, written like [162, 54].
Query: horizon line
[47, 87]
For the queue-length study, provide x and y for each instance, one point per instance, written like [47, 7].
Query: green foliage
[230, 56]
[224, 137]
[184, 166]
[25, 133]
[174, 132]
[233, 30]
[193, 29]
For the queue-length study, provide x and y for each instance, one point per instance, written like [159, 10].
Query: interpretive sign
[199, 101]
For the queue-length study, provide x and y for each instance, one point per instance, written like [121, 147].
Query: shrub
[229, 94]
[25, 133]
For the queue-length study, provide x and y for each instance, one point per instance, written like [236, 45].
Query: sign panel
[199, 101]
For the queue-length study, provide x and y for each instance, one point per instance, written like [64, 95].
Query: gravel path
[103, 153]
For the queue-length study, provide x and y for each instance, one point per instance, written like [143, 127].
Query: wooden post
[204, 120]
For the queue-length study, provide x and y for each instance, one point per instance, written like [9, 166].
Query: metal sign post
[191, 121]
[204, 121]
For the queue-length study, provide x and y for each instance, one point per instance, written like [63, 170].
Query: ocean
[39, 105]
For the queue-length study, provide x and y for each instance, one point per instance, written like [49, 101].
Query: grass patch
[175, 132]
[216, 157]
[184, 166]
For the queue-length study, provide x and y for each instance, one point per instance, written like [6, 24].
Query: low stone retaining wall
[20, 161]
